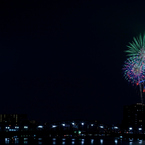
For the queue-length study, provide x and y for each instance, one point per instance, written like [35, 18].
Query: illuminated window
[26, 127]
[7, 127]
[101, 126]
[139, 103]
[139, 128]
[140, 120]
[16, 117]
[40, 126]
[115, 127]
[0, 117]
[130, 128]
[53, 126]
[12, 129]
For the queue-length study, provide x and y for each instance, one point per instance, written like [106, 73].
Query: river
[72, 141]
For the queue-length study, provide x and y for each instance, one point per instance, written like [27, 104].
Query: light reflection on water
[16, 140]
[25, 142]
[116, 141]
[74, 141]
[7, 141]
[82, 142]
[137, 142]
[101, 141]
[39, 142]
[92, 141]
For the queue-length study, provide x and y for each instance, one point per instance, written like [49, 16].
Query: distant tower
[134, 116]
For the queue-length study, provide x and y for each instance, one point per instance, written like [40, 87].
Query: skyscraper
[134, 116]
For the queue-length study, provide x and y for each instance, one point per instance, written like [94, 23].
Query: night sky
[62, 60]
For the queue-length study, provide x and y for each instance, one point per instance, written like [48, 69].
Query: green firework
[137, 46]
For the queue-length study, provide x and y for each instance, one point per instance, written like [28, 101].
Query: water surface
[73, 141]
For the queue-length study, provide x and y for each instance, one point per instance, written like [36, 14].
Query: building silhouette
[134, 117]
[12, 119]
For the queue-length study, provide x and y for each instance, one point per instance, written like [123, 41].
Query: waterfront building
[12, 119]
[134, 117]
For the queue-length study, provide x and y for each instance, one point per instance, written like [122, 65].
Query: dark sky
[62, 60]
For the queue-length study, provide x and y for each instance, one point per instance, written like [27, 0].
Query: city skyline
[63, 60]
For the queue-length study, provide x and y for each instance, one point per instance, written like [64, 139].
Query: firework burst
[133, 71]
[134, 67]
